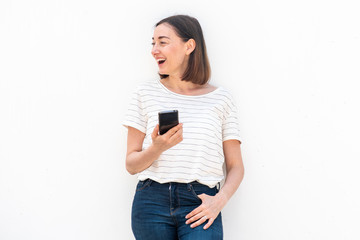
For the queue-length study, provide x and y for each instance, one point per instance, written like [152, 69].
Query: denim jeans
[159, 210]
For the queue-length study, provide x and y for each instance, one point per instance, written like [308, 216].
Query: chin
[163, 73]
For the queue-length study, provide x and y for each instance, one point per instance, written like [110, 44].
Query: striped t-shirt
[208, 120]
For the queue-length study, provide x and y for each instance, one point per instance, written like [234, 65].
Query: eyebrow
[161, 37]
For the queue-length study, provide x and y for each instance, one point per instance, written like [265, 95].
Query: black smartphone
[167, 120]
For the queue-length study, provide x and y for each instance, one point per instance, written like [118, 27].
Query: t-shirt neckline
[183, 95]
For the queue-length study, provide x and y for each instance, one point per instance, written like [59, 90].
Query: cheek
[170, 50]
[174, 54]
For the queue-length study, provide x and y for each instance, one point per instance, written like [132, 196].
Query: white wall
[66, 72]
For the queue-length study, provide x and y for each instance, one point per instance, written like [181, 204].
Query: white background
[67, 69]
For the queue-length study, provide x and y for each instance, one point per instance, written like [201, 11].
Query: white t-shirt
[208, 120]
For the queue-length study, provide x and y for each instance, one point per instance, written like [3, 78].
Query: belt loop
[148, 181]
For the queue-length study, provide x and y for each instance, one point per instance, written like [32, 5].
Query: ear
[190, 46]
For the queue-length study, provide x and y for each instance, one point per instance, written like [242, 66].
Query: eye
[160, 43]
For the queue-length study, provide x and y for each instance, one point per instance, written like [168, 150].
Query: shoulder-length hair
[198, 69]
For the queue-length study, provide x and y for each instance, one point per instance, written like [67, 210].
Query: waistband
[150, 181]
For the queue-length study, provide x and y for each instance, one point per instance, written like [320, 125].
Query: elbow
[130, 169]
[242, 172]
[131, 172]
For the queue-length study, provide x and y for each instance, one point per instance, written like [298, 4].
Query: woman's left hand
[208, 210]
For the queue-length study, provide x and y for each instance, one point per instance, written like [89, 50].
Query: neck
[175, 83]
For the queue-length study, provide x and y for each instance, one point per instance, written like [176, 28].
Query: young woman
[178, 194]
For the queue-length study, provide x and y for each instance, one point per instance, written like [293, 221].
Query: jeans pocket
[197, 189]
[193, 192]
[143, 184]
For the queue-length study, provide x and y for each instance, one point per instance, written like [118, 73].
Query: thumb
[155, 131]
[201, 196]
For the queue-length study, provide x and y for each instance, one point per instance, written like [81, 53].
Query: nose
[154, 50]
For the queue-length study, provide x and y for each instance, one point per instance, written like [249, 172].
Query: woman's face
[169, 47]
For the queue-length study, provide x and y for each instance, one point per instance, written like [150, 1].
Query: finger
[155, 131]
[201, 196]
[194, 212]
[177, 127]
[211, 220]
[176, 140]
[195, 218]
[173, 130]
[177, 136]
[199, 222]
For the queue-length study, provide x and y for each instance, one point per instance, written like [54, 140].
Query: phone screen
[167, 120]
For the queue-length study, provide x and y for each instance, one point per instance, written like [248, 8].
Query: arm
[234, 169]
[137, 160]
[211, 206]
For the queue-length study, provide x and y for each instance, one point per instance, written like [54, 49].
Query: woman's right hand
[172, 137]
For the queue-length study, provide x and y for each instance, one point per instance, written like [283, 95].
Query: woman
[179, 172]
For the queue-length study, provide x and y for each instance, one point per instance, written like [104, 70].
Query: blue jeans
[159, 210]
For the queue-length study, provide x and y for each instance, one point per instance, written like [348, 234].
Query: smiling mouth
[161, 61]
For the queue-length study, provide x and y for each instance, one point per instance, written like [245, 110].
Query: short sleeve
[230, 125]
[135, 116]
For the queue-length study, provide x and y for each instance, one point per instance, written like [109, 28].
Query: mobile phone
[167, 120]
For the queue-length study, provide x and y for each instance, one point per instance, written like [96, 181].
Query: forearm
[138, 161]
[233, 179]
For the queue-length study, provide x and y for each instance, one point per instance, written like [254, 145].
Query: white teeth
[160, 60]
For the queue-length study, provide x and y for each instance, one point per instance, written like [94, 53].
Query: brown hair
[198, 70]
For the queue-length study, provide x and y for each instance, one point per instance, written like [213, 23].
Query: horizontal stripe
[192, 162]
[179, 172]
[179, 168]
[196, 147]
[205, 158]
[197, 150]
